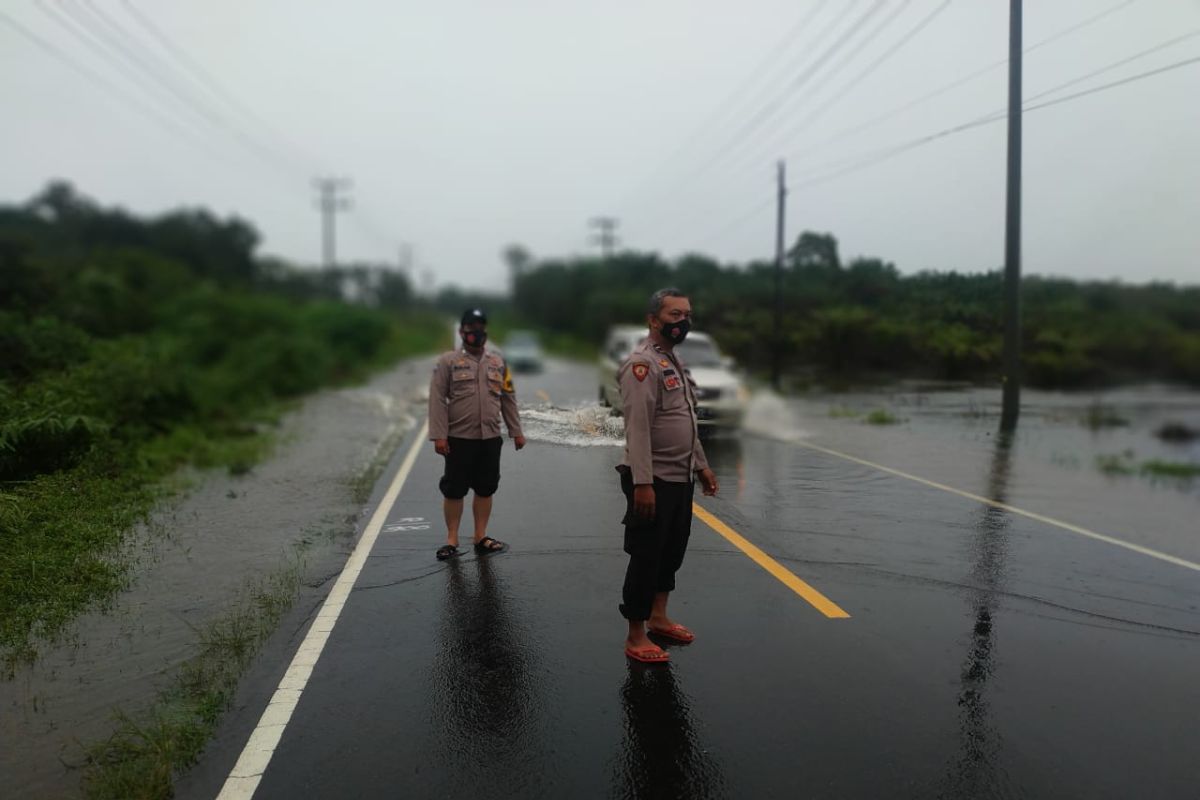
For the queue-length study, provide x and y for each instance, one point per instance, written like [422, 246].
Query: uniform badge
[662, 362]
[640, 371]
[672, 382]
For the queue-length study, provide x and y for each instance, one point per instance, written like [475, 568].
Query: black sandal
[447, 551]
[489, 545]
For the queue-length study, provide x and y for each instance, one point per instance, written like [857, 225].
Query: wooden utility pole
[1012, 230]
[781, 202]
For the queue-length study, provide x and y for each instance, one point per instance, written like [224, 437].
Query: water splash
[588, 425]
[770, 416]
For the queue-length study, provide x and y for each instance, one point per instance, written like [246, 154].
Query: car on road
[721, 395]
[523, 352]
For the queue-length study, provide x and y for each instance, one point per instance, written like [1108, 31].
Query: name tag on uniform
[671, 381]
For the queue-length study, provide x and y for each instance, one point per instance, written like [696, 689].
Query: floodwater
[202, 551]
[194, 560]
[984, 652]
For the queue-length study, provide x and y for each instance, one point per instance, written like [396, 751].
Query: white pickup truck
[721, 396]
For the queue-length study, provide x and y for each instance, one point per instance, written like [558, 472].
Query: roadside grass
[140, 760]
[61, 529]
[882, 416]
[1171, 469]
[843, 412]
[1124, 464]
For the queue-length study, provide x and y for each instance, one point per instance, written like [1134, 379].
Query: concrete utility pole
[607, 237]
[781, 202]
[1012, 230]
[329, 204]
[406, 260]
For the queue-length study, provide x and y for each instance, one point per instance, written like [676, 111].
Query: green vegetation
[1125, 464]
[1171, 469]
[144, 754]
[131, 347]
[1098, 417]
[864, 318]
[881, 416]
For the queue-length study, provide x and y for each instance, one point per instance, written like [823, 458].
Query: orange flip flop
[676, 633]
[648, 655]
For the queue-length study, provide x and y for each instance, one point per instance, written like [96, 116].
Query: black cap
[474, 315]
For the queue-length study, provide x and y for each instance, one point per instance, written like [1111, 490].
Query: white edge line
[243, 780]
[1067, 526]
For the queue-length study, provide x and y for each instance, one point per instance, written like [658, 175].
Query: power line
[841, 136]
[183, 63]
[713, 120]
[995, 116]
[871, 68]
[150, 112]
[210, 82]
[797, 83]
[870, 159]
[739, 94]
[111, 35]
[89, 41]
[863, 43]
[1135, 57]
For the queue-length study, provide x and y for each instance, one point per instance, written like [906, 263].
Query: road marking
[817, 600]
[244, 779]
[1058, 523]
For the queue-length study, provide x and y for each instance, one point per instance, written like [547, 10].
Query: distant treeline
[129, 346]
[861, 318]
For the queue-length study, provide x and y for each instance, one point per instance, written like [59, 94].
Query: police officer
[470, 391]
[663, 457]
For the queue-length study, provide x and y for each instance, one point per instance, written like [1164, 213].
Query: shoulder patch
[640, 371]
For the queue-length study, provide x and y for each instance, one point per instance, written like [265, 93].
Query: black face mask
[474, 338]
[676, 332]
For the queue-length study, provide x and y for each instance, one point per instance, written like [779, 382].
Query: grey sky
[469, 125]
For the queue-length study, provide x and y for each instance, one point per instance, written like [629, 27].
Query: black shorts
[472, 464]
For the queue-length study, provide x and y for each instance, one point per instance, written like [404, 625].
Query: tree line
[130, 346]
[862, 318]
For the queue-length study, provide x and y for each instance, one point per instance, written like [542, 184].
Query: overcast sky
[467, 125]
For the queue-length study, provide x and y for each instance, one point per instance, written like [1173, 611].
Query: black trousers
[472, 464]
[655, 547]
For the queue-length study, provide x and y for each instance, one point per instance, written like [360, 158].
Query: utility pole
[329, 204]
[406, 260]
[781, 202]
[607, 237]
[1012, 230]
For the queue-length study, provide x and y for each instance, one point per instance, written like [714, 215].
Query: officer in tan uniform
[663, 458]
[470, 391]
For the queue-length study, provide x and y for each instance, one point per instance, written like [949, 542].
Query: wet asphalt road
[986, 654]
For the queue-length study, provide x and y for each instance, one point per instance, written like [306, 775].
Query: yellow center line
[817, 600]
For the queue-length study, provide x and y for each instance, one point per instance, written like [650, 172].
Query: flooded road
[983, 653]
